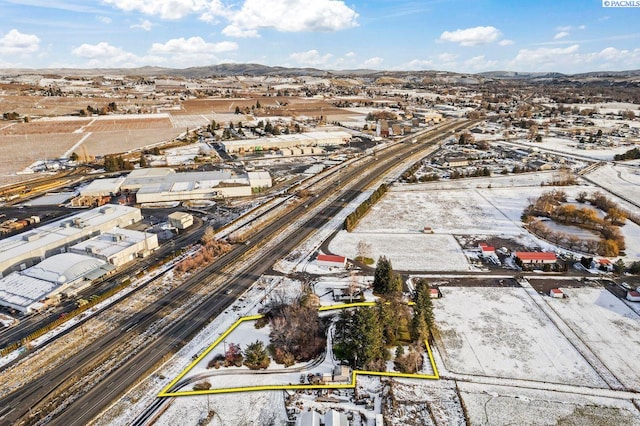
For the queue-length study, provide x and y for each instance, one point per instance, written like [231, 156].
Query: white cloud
[419, 64]
[472, 36]
[570, 59]
[191, 46]
[290, 16]
[544, 55]
[447, 57]
[144, 24]
[373, 62]
[103, 54]
[560, 35]
[170, 9]
[16, 43]
[350, 54]
[311, 58]
[506, 42]
[105, 19]
[479, 63]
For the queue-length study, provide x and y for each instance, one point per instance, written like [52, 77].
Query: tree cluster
[352, 220]
[115, 163]
[211, 249]
[423, 319]
[551, 205]
[11, 116]
[385, 280]
[297, 333]
[632, 154]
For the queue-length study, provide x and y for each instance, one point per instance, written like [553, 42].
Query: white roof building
[26, 290]
[288, 141]
[165, 184]
[102, 187]
[28, 248]
[118, 246]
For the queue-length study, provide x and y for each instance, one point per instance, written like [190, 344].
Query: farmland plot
[501, 332]
[607, 326]
[126, 140]
[407, 251]
[452, 212]
[501, 405]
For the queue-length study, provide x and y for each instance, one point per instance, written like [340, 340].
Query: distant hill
[231, 69]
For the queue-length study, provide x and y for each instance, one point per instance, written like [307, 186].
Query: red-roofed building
[529, 259]
[331, 260]
[526, 257]
[633, 296]
[487, 250]
[603, 264]
[434, 293]
[557, 293]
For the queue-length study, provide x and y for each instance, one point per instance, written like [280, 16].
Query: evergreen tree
[423, 319]
[385, 281]
[256, 356]
[360, 336]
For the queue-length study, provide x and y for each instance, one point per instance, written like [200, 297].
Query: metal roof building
[28, 248]
[27, 290]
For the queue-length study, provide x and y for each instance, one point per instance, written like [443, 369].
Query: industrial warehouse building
[40, 285]
[68, 273]
[21, 251]
[280, 142]
[118, 246]
[162, 185]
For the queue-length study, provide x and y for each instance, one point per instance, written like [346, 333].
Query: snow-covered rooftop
[63, 268]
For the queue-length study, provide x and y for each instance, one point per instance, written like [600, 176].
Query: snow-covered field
[607, 326]
[569, 146]
[501, 406]
[407, 251]
[501, 332]
[618, 178]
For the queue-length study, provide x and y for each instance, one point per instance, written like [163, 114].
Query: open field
[19, 152]
[270, 106]
[407, 251]
[126, 140]
[501, 332]
[53, 106]
[500, 405]
[607, 326]
[110, 125]
[619, 178]
[43, 127]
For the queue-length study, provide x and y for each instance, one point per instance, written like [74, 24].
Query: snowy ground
[607, 326]
[502, 405]
[407, 251]
[618, 178]
[501, 332]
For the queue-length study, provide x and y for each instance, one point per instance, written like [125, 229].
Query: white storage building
[287, 141]
[23, 250]
[180, 220]
[118, 246]
[165, 184]
[28, 290]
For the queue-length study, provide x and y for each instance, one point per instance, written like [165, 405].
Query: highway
[17, 406]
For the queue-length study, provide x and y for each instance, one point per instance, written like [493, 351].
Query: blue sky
[451, 35]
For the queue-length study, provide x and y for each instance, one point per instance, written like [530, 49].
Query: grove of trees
[553, 205]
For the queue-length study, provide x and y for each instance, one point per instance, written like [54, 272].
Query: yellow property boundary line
[167, 393]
